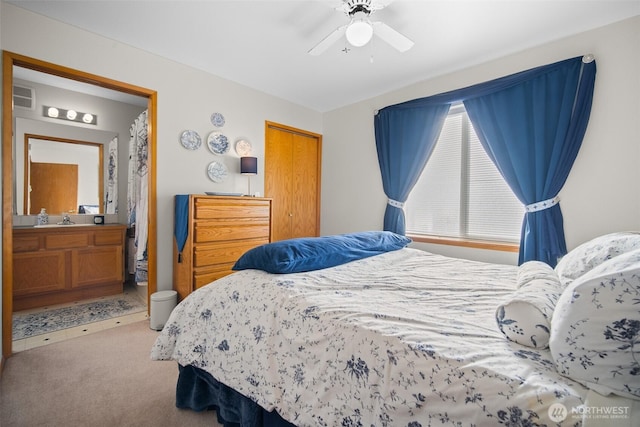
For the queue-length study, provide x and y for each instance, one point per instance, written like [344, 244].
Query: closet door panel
[305, 186]
[278, 183]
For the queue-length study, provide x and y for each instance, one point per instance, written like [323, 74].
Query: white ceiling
[263, 44]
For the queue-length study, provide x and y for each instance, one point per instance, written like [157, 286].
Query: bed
[362, 330]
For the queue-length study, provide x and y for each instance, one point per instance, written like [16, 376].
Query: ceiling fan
[360, 29]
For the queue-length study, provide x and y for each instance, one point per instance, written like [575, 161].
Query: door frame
[9, 60]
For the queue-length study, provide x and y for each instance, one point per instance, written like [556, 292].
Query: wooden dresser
[219, 230]
[55, 265]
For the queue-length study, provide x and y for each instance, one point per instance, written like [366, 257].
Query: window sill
[478, 244]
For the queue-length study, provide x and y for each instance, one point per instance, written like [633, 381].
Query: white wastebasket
[162, 304]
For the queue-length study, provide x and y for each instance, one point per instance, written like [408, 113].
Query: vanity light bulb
[87, 118]
[52, 112]
[71, 114]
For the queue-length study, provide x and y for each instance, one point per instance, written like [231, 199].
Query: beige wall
[601, 194]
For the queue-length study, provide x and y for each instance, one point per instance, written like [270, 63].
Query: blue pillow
[315, 253]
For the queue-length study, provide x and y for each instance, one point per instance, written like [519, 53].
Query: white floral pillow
[594, 252]
[532, 270]
[525, 318]
[595, 332]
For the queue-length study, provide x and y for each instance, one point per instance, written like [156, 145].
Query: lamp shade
[249, 165]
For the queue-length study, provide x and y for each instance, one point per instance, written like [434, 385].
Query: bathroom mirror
[63, 175]
[114, 112]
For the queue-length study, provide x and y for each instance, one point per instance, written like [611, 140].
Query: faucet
[66, 219]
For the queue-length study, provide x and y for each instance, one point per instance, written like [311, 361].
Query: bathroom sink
[62, 225]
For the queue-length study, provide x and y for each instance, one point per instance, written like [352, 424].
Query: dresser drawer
[215, 254]
[229, 209]
[203, 277]
[248, 230]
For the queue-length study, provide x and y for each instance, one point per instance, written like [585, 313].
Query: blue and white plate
[217, 171]
[218, 143]
[190, 139]
[217, 120]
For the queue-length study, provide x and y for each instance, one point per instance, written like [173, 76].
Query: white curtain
[137, 194]
[112, 178]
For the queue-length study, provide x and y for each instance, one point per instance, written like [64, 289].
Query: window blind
[460, 192]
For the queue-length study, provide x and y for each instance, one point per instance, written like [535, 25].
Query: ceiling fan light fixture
[359, 32]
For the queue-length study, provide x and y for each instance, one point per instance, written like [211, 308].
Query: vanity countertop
[52, 227]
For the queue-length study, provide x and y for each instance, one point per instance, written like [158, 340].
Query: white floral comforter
[406, 338]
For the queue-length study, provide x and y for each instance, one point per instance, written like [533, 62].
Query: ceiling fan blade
[380, 4]
[328, 41]
[391, 36]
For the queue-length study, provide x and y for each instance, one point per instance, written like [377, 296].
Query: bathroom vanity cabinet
[54, 265]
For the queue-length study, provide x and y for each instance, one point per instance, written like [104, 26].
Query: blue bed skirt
[199, 391]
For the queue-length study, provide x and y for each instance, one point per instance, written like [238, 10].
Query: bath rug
[30, 324]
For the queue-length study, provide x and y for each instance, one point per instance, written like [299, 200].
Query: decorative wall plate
[217, 120]
[243, 148]
[217, 171]
[190, 139]
[218, 143]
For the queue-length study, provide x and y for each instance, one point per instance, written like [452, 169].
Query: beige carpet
[102, 379]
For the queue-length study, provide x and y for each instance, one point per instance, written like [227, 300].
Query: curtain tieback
[540, 206]
[395, 203]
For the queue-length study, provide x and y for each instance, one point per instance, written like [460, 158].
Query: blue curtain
[532, 132]
[530, 123]
[405, 139]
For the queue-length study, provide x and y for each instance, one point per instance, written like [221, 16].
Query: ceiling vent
[24, 97]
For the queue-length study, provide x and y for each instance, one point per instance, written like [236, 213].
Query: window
[460, 193]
